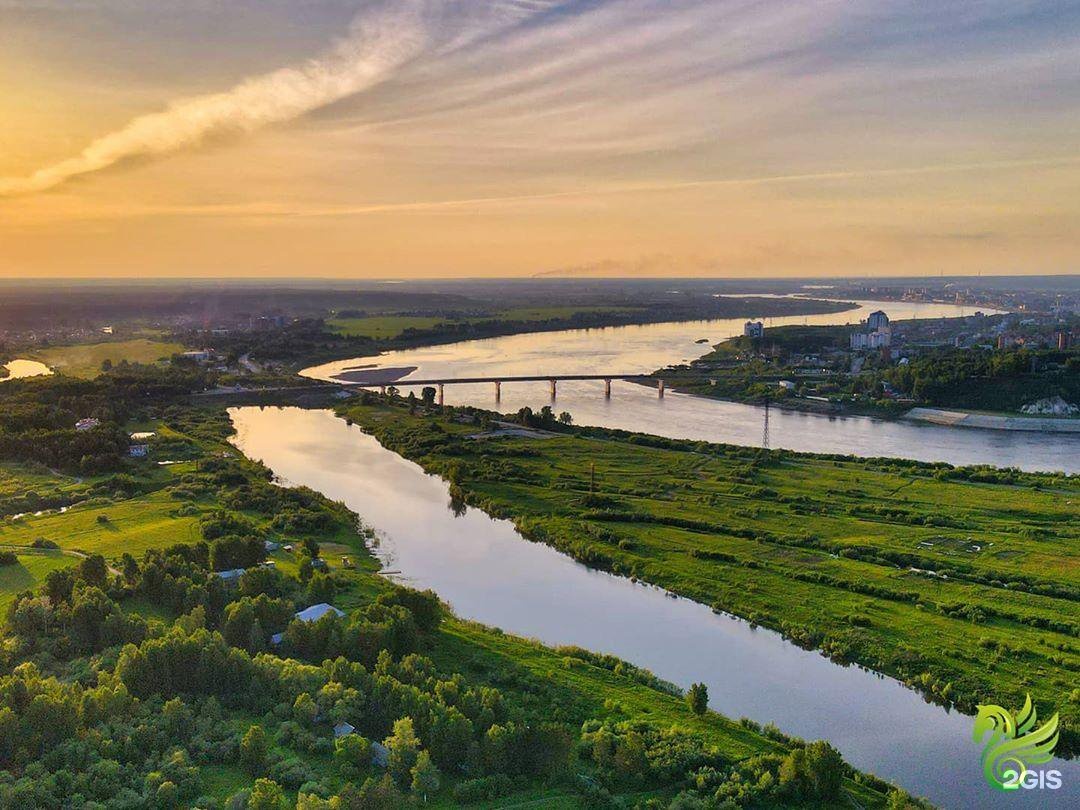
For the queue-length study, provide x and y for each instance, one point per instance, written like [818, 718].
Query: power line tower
[765, 430]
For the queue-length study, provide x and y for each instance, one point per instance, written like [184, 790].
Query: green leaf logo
[1013, 744]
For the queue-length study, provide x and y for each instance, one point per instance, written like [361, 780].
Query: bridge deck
[501, 379]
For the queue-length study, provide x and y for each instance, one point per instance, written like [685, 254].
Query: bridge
[552, 379]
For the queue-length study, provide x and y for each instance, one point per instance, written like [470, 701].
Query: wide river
[488, 572]
[643, 349]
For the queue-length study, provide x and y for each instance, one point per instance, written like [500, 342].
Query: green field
[388, 327]
[84, 360]
[967, 590]
[29, 573]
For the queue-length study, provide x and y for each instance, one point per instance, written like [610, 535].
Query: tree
[253, 748]
[266, 795]
[352, 753]
[404, 747]
[565, 418]
[825, 769]
[168, 795]
[311, 546]
[92, 570]
[425, 776]
[304, 709]
[697, 698]
[428, 395]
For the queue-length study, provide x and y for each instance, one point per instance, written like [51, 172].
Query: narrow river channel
[643, 349]
[488, 572]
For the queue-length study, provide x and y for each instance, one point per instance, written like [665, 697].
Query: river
[642, 349]
[487, 572]
[17, 369]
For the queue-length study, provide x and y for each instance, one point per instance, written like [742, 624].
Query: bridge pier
[440, 396]
[660, 388]
[552, 381]
[498, 390]
[607, 388]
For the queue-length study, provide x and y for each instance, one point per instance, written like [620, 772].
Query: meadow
[85, 359]
[963, 583]
[389, 327]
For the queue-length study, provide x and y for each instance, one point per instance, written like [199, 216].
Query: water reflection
[17, 369]
[487, 572]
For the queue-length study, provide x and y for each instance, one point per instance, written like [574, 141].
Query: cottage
[344, 729]
[316, 612]
[87, 424]
[311, 614]
[139, 450]
[271, 546]
[231, 576]
[319, 564]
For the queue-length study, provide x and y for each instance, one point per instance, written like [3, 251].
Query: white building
[871, 340]
[877, 321]
[753, 329]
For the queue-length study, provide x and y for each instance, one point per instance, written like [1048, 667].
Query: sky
[442, 138]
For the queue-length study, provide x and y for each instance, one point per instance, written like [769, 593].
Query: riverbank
[875, 574]
[642, 349]
[986, 421]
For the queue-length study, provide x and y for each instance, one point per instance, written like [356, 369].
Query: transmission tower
[765, 430]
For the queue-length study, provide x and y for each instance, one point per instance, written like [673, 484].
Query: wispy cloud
[378, 42]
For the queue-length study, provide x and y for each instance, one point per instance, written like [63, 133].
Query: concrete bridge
[552, 379]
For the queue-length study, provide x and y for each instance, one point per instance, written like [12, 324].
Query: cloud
[377, 43]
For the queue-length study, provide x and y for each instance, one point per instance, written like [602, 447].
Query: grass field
[388, 327]
[30, 572]
[967, 590]
[132, 525]
[382, 327]
[84, 360]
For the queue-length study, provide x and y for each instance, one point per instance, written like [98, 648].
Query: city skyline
[432, 139]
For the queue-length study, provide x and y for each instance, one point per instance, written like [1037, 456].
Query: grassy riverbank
[154, 671]
[963, 583]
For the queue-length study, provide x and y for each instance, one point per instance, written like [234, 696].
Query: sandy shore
[937, 416]
[375, 376]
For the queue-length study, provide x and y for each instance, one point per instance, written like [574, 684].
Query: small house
[316, 612]
[231, 576]
[319, 564]
[344, 729]
[271, 546]
[311, 614]
[139, 450]
[87, 424]
[380, 755]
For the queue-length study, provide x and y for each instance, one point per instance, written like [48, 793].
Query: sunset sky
[640, 137]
